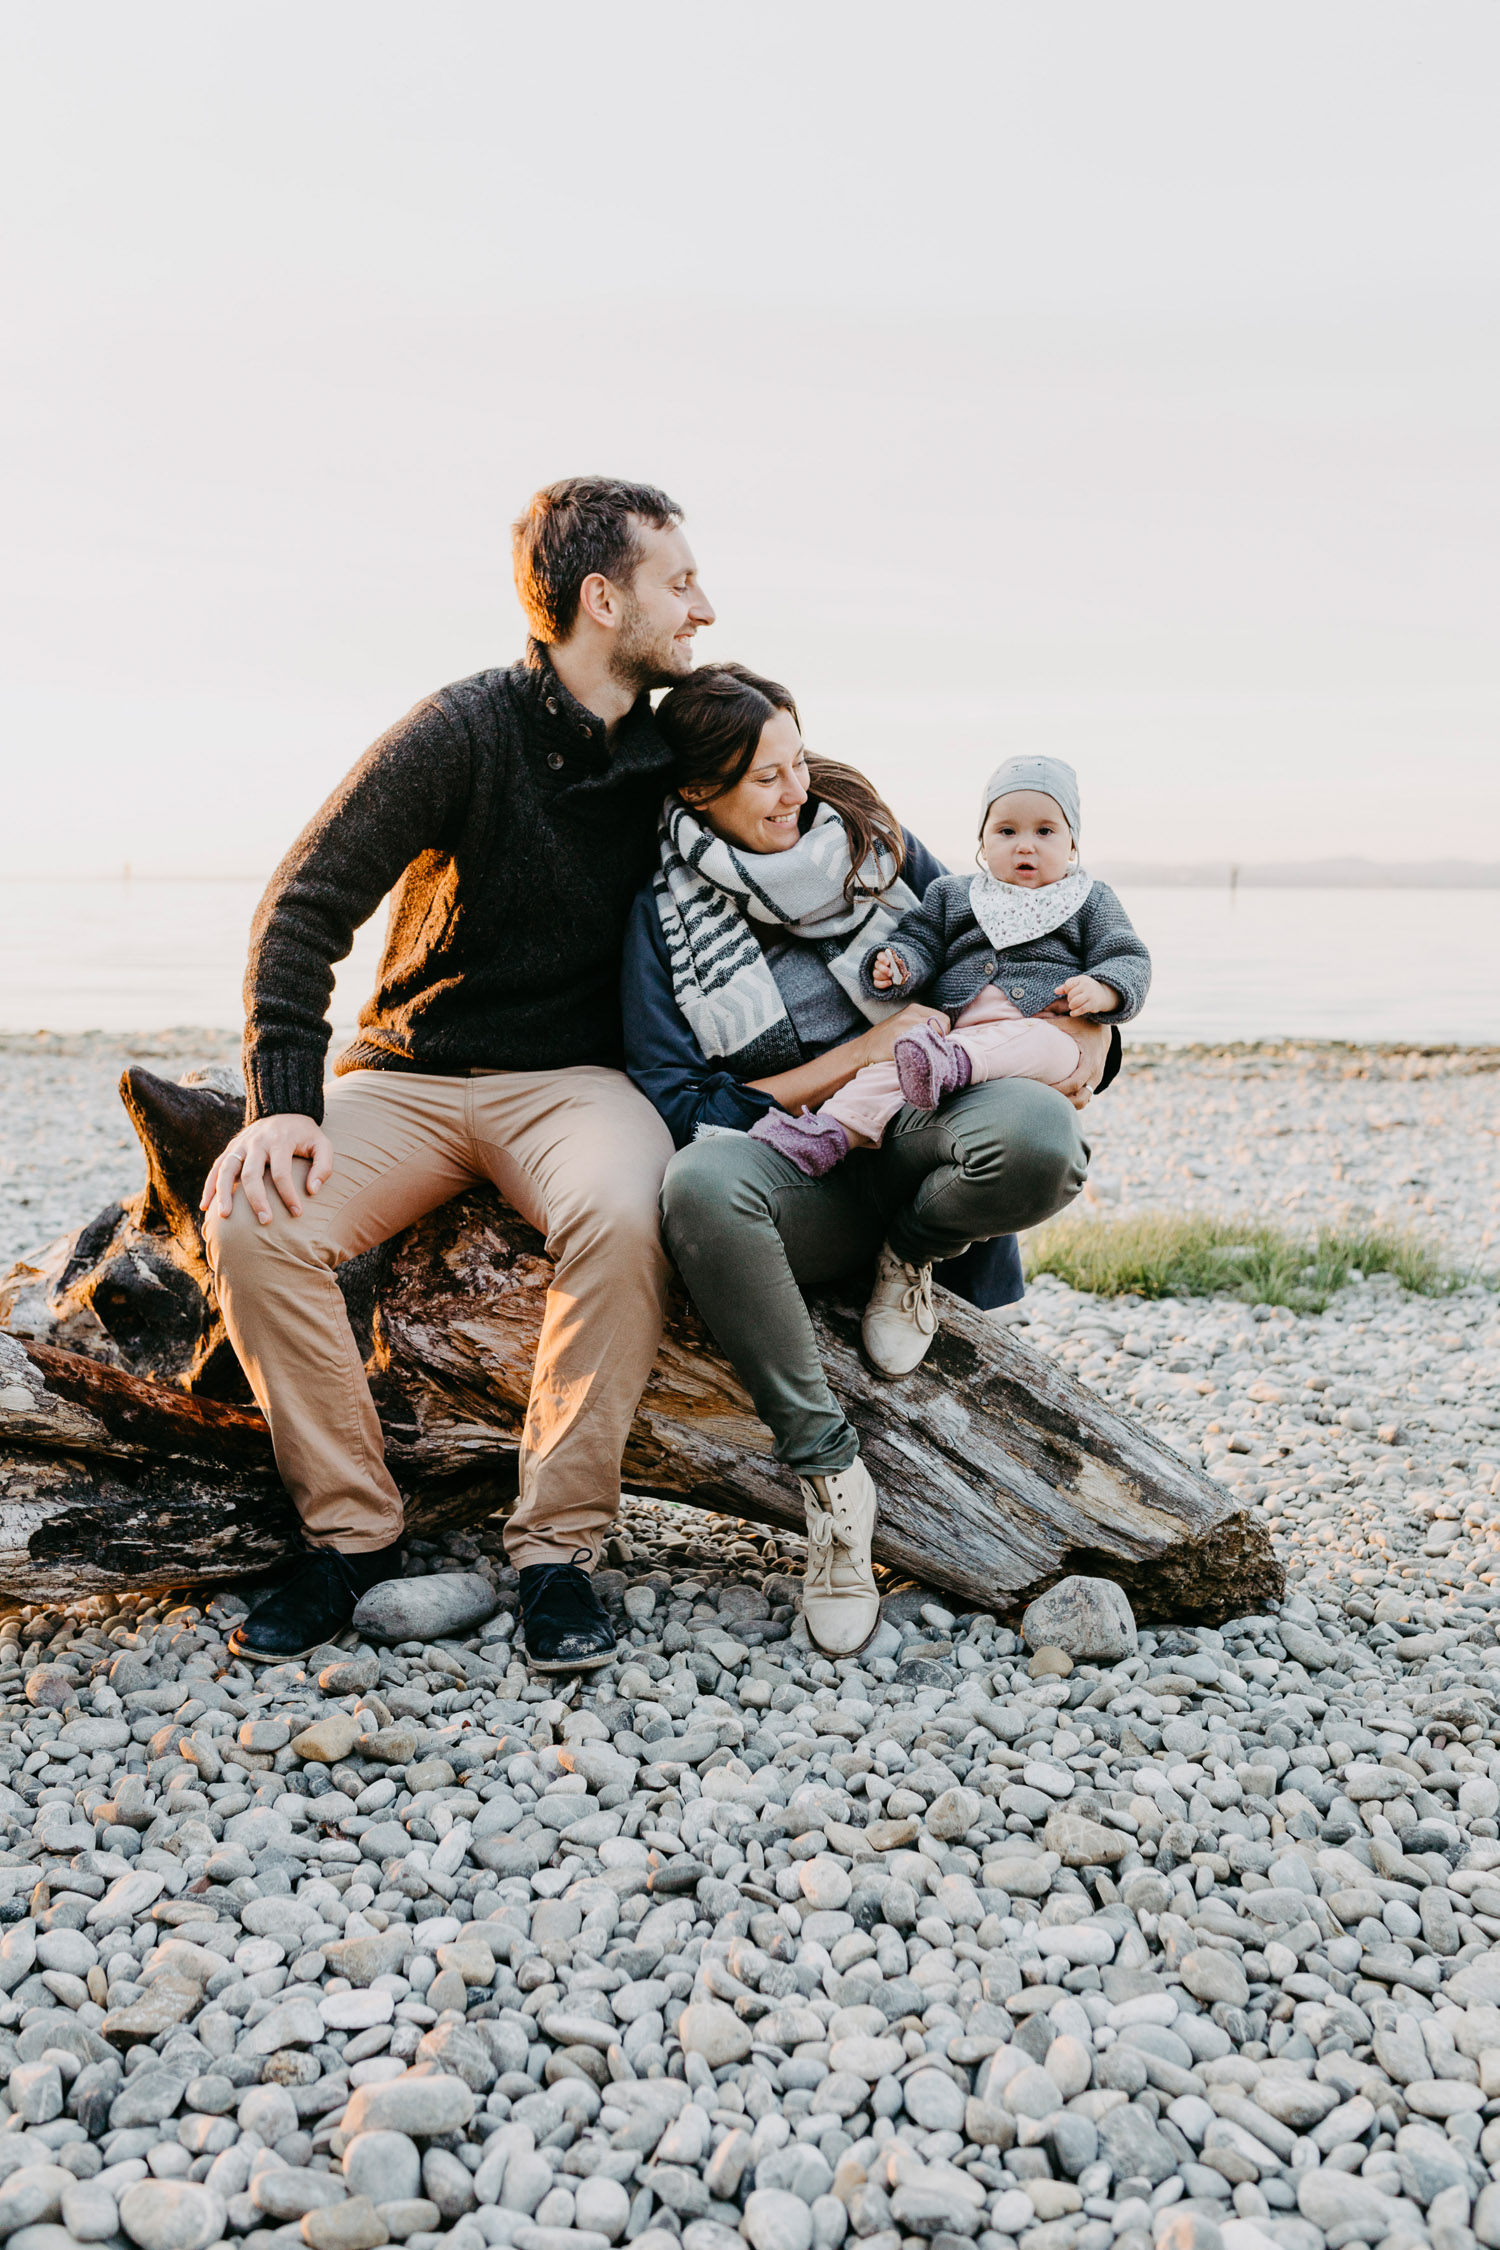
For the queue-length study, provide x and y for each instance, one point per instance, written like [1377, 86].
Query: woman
[741, 995]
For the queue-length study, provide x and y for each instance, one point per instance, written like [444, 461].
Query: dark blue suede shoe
[313, 1605]
[563, 1619]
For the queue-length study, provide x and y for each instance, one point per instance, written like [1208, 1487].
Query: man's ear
[599, 600]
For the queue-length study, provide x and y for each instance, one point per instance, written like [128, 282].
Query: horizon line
[1351, 873]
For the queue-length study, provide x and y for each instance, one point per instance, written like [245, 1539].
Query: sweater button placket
[555, 760]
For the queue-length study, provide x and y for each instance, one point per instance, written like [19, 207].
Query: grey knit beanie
[1054, 777]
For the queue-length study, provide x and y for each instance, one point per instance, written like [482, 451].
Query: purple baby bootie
[814, 1144]
[930, 1067]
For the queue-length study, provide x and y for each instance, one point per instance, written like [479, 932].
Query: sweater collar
[564, 729]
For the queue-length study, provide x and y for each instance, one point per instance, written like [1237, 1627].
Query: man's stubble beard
[641, 658]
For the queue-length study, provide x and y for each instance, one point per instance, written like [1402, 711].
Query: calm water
[1336, 964]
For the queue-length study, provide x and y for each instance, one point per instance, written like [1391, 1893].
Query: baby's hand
[889, 970]
[1086, 996]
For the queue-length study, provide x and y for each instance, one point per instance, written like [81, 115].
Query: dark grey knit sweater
[516, 839]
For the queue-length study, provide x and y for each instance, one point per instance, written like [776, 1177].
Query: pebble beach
[1058, 1933]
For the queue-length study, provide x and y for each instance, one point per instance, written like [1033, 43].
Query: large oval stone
[426, 1609]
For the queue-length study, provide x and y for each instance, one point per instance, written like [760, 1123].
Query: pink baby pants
[1000, 1043]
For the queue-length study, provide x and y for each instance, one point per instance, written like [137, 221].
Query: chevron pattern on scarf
[708, 894]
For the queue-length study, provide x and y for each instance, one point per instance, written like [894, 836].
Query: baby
[1009, 955]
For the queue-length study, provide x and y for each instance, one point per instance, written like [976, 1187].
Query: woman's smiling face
[761, 812]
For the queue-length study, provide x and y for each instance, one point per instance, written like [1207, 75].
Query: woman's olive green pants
[749, 1233]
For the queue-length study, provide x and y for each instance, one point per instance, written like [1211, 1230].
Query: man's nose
[702, 611]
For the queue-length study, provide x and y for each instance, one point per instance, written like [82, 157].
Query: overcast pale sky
[1122, 381]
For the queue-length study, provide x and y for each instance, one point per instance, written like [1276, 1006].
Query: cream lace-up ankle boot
[840, 1600]
[900, 1321]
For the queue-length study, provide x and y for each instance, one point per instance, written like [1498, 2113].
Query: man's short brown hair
[572, 529]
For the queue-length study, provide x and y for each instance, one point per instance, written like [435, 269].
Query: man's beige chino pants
[580, 1153]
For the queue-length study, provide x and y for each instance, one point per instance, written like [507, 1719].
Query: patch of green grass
[1165, 1254]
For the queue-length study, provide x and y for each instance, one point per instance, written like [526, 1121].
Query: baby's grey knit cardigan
[950, 958]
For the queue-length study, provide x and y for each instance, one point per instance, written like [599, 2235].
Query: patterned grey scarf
[708, 892]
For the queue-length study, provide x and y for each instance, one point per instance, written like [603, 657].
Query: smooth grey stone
[461, 2049]
[1087, 1618]
[383, 1840]
[32, 2195]
[1075, 2142]
[799, 2168]
[384, 2166]
[291, 2194]
[1427, 2169]
[1156, 2039]
[1134, 2147]
[415, 2105]
[447, 2183]
[426, 1609]
[171, 2215]
[148, 2097]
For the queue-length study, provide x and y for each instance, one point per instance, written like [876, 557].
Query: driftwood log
[131, 1453]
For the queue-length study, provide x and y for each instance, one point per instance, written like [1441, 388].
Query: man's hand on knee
[270, 1146]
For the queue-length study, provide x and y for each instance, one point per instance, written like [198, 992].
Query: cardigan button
[555, 760]
[1018, 992]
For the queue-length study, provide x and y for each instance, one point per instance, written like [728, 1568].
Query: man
[515, 815]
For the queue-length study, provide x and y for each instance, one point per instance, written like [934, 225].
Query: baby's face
[1026, 840]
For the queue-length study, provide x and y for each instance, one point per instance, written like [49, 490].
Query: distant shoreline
[1306, 875]
[220, 1042]
[1198, 875]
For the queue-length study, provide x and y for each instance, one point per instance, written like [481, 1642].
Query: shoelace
[539, 1602]
[336, 1565]
[821, 1531]
[916, 1297]
[822, 1541]
[825, 1536]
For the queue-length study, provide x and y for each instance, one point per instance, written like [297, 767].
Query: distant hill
[1309, 874]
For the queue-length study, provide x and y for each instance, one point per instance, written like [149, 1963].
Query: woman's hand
[811, 1083]
[879, 1042]
[1093, 1048]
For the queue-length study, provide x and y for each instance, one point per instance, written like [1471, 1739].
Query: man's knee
[612, 1219]
[233, 1243]
[241, 1245]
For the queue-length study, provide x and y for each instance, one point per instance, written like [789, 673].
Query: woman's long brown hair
[713, 721]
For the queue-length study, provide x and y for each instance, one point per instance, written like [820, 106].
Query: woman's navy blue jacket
[672, 1071]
